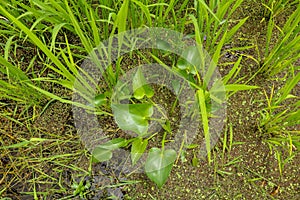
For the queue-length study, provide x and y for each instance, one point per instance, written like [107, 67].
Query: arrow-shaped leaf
[159, 165]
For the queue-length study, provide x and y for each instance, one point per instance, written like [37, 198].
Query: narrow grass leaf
[204, 116]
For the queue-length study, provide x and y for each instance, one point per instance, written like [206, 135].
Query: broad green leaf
[138, 147]
[114, 144]
[102, 154]
[140, 86]
[133, 117]
[122, 91]
[104, 151]
[159, 165]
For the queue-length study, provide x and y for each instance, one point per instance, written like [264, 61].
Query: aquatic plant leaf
[133, 117]
[104, 151]
[102, 154]
[159, 165]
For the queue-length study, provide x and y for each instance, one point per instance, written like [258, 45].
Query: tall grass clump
[212, 23]
[198, 64]
[67, 31]
[280, 120]
[281, 55]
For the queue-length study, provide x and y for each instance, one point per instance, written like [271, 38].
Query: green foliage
[205, 121]
[15, 87]
[64, 32]
[140, 86]
[212, 22]
[276, 122]
[274, 8]
[133, 116]
[138, 148]
[104, 152]
[81, 188]
[286, 49]
[159, 165]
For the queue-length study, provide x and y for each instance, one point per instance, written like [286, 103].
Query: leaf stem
[163, 142]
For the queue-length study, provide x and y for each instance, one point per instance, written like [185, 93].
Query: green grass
[281, 55]
[277, 121]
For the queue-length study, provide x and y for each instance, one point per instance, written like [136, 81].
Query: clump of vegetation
[92, 55]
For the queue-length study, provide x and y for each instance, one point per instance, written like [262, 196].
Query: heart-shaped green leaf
[138, 147]
[133, 117]
[159, 165]
[140, 86]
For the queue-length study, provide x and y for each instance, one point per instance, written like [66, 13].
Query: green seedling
[281, 162]
[285, 51]
[135, 117]
[159, 163]
[195, 160]
[276, 122]
[81, 188]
